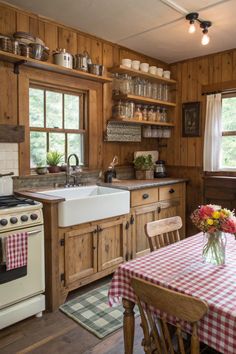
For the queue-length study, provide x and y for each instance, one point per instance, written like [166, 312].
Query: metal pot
[36, 51]
[61, 57]
[96, 69]
[82, 61]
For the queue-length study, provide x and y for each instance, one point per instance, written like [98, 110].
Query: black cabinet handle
[100, 229]
[158, 210]
[145, 196]
[171, 191]
[132, 220]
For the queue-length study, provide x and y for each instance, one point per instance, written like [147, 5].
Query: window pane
[53, 109]
[38, 148]
[71, 104]
[229, 113]
[75, 146]
[36, 107]
[228, 151]
[57, 143]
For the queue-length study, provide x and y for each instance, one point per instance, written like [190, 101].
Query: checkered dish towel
[16, 250]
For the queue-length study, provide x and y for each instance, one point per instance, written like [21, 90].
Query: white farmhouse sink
[84, 204]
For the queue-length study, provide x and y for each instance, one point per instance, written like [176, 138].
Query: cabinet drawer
[169, 192]
[144, 196]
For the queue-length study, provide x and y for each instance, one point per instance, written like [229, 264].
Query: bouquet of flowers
[212, 218]
[214, 221]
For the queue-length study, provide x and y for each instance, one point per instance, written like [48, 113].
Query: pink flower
[229, 225]
[205, 211]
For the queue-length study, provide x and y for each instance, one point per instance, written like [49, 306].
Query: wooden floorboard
[55, 333]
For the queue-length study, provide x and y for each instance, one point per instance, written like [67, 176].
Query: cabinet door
[80, 254]
[139, 217]
[112, 240]
[173, 207]
[8, 103]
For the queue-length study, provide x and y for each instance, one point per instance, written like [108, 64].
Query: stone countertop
[134, 184]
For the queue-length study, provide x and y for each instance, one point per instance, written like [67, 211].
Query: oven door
[34, 281]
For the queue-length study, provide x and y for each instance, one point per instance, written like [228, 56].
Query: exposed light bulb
[205, 39]
[191, 28]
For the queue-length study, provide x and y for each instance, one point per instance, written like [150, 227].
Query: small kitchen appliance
[160, 169]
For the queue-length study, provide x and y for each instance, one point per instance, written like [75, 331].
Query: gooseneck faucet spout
[68, 169]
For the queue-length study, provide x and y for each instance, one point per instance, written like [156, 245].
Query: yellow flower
[216, 214]
[210, 222]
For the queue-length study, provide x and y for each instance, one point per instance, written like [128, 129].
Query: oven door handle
[30, 233]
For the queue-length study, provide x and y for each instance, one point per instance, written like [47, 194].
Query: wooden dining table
[180, 267]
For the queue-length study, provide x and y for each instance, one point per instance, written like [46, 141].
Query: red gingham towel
[16, 250]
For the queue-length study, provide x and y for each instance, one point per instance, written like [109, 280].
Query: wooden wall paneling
[23, 112]
[41, 26]
[22, 22]
[234, 65]
[94, 145]
[34, 26]
[7, 20]
[215, 68]
[174, 142]
[96, 51]
[8, 101]
[51, 37]
[227, 66]
[84, 43]
[184, 98]
[67, 39]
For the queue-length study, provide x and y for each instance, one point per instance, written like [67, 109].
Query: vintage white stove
[21, 290]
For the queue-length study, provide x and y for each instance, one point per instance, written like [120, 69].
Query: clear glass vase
[214, 248]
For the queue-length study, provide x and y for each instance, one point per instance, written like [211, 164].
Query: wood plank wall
[55, 36]
[185, 155]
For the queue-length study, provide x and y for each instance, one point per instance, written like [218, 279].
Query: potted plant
[143, 167]
[53, 160]
[41, 169]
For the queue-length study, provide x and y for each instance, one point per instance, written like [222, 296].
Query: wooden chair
[157, 335]
[163, 232]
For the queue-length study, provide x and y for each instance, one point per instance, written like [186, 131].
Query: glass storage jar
[137, 86]
[147, 132]
[154, 91]
[138, 113]
[165, 92]
[151, 114]
[118, 110]
[158, 114]
[149, 89]
[145, 112]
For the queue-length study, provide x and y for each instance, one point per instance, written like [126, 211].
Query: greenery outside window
[228, 144]
[57, 121]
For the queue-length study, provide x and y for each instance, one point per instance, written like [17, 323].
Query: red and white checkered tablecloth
[179, 267]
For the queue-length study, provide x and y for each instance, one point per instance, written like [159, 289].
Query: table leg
[128, 325]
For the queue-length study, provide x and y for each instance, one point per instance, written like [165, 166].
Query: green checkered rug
[91, 310]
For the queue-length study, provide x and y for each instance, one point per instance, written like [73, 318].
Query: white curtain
[213, 133]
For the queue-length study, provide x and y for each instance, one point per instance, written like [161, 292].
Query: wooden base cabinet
[90, 251]
[173, 205]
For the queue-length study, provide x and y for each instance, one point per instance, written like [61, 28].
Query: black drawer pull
[145, 196]
[171, 191]
[158, 210]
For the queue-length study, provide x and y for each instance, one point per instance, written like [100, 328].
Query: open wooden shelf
[141, 122]
[132, 72]
[20, 60]
[141, 99]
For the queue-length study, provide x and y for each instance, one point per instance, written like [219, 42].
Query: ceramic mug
[159, 71]
[152, 70]
[135, 64]
[166, 74]
[144, 67]
[126, 62]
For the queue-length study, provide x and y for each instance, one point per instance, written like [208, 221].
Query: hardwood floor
[55, 333]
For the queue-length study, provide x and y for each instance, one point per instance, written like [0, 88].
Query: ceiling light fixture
[192, 17]
[205, 38]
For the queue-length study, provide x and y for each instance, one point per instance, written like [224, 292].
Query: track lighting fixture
[192, 17]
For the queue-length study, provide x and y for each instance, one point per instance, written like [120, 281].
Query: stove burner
[10, 201]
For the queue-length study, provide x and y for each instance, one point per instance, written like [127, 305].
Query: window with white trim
[57, 121]
[228, 144]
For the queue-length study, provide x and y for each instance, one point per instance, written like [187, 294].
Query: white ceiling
[154, 27]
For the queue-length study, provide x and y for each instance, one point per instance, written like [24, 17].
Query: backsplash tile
[9, 158]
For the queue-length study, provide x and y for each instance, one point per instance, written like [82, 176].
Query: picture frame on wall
[191, 119]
